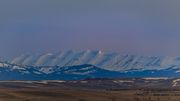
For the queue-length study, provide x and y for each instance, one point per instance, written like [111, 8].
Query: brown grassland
[59, 94]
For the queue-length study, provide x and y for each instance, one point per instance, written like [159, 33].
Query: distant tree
[136, 99]
[81, 100]
[113, 99]
[26, 100]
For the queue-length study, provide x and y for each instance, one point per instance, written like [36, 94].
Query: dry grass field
[51, 94]
[92, 91]
[63, 95]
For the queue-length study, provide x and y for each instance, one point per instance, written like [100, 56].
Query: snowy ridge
[105, 60]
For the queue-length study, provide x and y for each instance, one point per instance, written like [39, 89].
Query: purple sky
[150, 27]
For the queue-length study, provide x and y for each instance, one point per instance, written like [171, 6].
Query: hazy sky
[149, 27]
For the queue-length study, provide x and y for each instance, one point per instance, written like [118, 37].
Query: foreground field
[91, 90]
[39, 94]
[62, 95]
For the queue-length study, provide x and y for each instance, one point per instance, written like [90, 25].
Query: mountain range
[19, 72]
[105, 60]
[76, 65]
